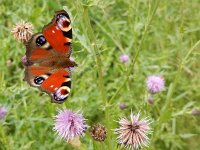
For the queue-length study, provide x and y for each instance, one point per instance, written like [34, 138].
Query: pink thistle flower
[124, 58]
[155, 84]
[69, 125]
[122, 106]
[3, 112]
[133, 133]
[24, 60]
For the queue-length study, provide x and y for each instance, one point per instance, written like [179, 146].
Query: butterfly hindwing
[56, 83]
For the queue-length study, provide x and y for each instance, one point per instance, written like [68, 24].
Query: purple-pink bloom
[122, 106]
[3, 112]
[133, 133]
[24, 60]
[69, 125]
[124, 58]
[155, 84]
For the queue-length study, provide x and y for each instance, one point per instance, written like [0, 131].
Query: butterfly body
[48, 58]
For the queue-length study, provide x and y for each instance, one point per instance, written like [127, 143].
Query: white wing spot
[57, 28]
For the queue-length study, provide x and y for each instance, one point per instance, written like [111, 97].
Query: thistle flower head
[22, 31]
[3, 112]
[69, 125]
[124, 58]
[155, 84]
[98, 132]
[122, 106]
[24, 60]
[133, 133]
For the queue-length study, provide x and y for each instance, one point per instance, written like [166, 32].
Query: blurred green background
[160, 37]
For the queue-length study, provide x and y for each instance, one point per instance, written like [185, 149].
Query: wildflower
[3, 112]
[195, 112]
[122, 106]
[98, 132]
[24, 60]
[155, 84]
[69, 125]
[124, 58]
[23, 31]
[133, 133]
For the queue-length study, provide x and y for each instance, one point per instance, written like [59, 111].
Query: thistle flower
[24, 60]
[124, 58]
[122, 106]
[133, 133]
[155, 84]
[98, 132]
[23, 31]
[69, 125]
[3, 112]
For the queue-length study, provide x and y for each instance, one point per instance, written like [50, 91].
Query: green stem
[172, 88]
[137, 53]
[93, 46]
[176, 79]
[95, 50]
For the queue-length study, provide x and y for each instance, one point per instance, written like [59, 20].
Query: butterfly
[48, 58]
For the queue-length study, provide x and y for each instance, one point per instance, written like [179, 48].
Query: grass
[161, 37]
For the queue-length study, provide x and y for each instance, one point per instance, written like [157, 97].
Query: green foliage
[161, 37]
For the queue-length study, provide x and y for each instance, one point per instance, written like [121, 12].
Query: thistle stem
[133, 61]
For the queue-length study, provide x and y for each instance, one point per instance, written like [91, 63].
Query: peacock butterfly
[48, 58]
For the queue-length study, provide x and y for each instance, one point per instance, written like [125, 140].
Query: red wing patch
[57, 40]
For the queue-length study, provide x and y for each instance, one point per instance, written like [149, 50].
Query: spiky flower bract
[98, 132]
[155, 84]
[69, 125]
[23, 31]
[133, 133]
